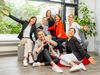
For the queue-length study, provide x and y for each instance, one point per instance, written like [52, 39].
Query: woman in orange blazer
[60, 34]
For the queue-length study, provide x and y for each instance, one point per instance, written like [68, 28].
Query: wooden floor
[10, 66]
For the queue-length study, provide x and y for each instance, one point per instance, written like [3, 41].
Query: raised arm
[16, 19]
[5, 12]
[85, 27]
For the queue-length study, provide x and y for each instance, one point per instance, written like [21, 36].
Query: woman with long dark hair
[50, 20]
[28, 28]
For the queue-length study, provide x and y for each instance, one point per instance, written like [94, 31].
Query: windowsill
[8, 37]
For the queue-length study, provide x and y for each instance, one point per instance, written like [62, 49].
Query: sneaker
[30, 60]
[25, 62]
[82, 66]
[36, 64]
[75, 68]
[57, 69]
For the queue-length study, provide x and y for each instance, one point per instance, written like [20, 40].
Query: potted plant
[86, 19]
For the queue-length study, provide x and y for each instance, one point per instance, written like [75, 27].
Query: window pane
[56, 0]
[36, 6]
[43, 7]
[24, 9]
[69, 1]
[69, 10]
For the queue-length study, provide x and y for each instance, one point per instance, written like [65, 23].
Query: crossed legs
[27, 50]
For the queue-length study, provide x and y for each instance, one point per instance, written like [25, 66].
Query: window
[69, 10]
[69, 1]
[24, 9]
[56, 0]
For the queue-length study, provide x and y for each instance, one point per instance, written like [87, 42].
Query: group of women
[49, 36]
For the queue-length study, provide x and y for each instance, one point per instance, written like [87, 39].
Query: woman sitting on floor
[42, 49]
[76, 53]
[60, 34]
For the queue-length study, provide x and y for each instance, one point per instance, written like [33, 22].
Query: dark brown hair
[47, 12]
[51, 18]
[58, 16]
[73, 29]
[32, 18]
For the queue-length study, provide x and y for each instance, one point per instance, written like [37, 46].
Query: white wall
[97, 39]
[94, 5]
[91, 6]
[8, 43]
[89, 3]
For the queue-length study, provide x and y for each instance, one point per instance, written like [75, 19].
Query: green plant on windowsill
[86, 19]
[9, 26]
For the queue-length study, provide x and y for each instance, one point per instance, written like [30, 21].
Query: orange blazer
[59, 30]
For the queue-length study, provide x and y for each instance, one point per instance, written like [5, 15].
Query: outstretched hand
[5, 12]
[86, 28]
[92, 61]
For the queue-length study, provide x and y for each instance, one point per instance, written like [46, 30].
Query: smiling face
[70, 18]
[33, 20]
[41, 35]
[57, 18]
[71, 32]
[44, 21]
[48, 13]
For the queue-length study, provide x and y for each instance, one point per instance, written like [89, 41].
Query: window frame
[74, 5]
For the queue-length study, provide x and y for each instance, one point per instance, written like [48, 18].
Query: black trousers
[45, 56]
[59, 42]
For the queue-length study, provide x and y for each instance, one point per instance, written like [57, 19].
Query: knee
[29, 41]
